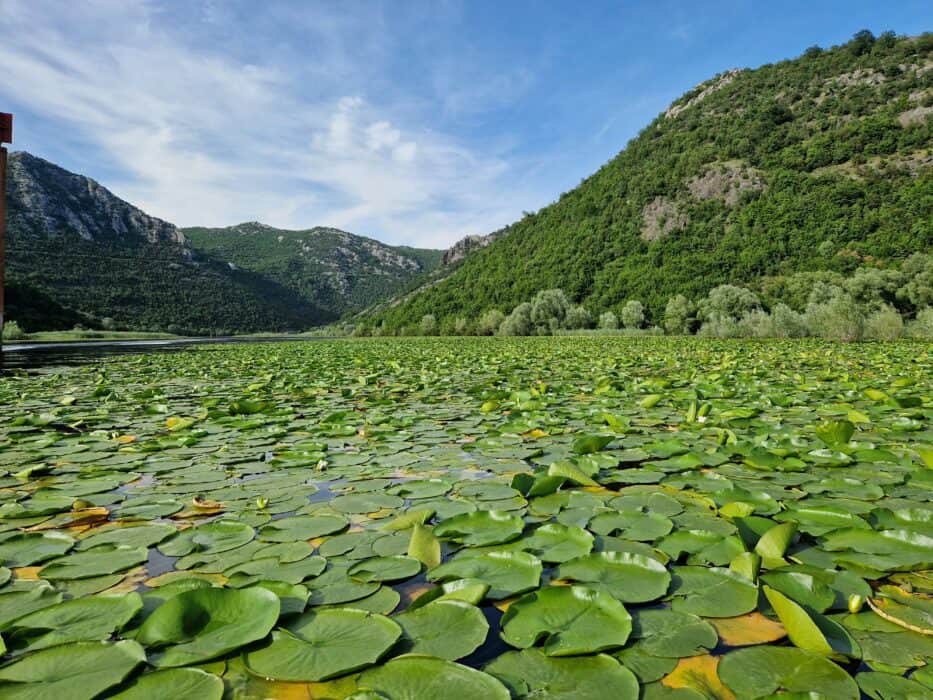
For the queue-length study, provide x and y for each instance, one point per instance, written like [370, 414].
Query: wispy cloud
[204, 136]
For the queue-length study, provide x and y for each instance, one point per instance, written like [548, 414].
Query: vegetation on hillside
[818, 164]
[326, 267]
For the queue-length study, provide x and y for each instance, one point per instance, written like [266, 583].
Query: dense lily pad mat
[471, 518]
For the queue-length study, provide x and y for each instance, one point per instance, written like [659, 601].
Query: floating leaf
[449, 629]
[481, 528]
[205, 623]
[757, 672]
[571, 620]
[174, 684]
[325, 644]
[417, 677]
[531, 674]
[631, 578]
[506, 573]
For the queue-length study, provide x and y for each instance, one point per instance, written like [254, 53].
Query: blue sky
[412, 122]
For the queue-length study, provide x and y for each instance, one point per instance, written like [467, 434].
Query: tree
[577, 317]
[728, 302]
[548, 310]
[678, 316]
[608, 321]
[12, 331]
[633, 314]
[489, 322]
[428, 325]
[836, 317]
[884, 323]
[922, 326]
[861, 42]
[518, 322]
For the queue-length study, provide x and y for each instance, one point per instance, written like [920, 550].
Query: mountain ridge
[814, 163]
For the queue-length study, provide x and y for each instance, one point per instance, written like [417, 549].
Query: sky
[412, 122]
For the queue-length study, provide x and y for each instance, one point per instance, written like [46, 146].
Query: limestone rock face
[48, 201]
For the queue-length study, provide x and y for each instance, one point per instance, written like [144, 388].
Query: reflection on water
[41, 355]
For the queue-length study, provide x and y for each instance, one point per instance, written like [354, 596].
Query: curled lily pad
[325, 644]
[481, 528]
[79, 671]
[506, 573]
[631, 578]
[205, 623]
[531, 674]
[467, 590]
[448, 629]
[415, 677]
[571, 620]
[174, 684]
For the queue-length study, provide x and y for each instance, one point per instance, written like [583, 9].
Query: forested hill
[326, 267]
[77, 254]
[818, 163]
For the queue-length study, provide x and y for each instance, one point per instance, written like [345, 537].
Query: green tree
[519, 322]
[608, 321]
[428, 325]
[633, 314]
[678, 316]
[489, 322]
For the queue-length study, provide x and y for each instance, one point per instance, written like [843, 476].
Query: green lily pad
[712, 592]
[385, 569]
[481, 528]
[100, 561]
[449, 629]
[672, 634]
[631, 578]
[302, 527]
[571, 620]
[209, 538]
[79, 671]
[205, 623]
[31, 548]
[93, 618]
[506, 573]
[415, 677]
[325, 644]
[756, 672]
[530, 674]
[174, 684]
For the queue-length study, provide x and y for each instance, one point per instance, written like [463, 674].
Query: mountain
[822, 162]
[76, 253]
[326, 267]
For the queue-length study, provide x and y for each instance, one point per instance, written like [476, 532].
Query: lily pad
[631, 578]
[325, 644]
[79, 671]
[448, 629]
[756, 672]
[506, 573]
[530, 674]
[205, 623]
[174, 684]
[481, 528]
[571, 620]
[415, 677]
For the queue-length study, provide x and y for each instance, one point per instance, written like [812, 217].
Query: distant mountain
[817, 163]
[326, 267]
[76, 253]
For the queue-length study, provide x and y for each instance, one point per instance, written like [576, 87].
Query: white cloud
[208, 137]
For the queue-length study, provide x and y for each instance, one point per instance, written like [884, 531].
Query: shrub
[549, 310]
[428, 325]
[489, 322]
[633, 314]
[518, 322]
[678, 316]
[461, 327]
[577, 317]
[12, 331]
[884, 324]
[728, 302]
[608, 321]
[836, 318]
[787, 323]
[922, 326]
